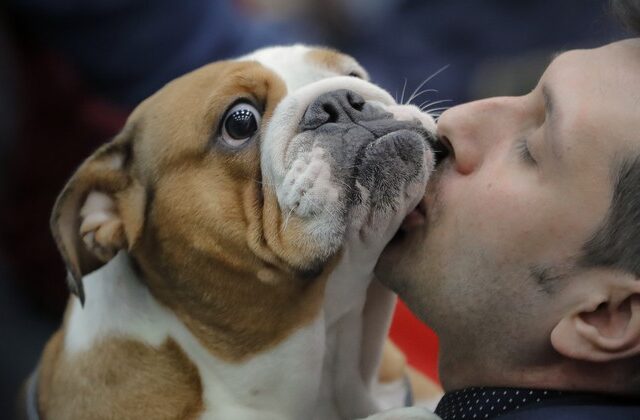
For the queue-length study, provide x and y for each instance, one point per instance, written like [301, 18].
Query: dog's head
[239, 180]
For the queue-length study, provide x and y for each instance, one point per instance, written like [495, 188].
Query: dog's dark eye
[240, 124]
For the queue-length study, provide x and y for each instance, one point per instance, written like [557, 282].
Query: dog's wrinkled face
[234, 185]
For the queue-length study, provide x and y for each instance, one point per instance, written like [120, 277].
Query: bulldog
[221, 247]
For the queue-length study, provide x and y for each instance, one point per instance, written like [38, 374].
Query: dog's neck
[119, 306]
[118, 288]
[116, 302]
[346, 287]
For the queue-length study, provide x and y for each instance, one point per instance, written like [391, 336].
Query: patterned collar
[488, 403]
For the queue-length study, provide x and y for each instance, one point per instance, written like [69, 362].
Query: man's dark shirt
[524, 403]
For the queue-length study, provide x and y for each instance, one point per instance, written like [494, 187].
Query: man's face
[529, 181]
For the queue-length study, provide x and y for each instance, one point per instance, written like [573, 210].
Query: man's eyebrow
[552, 117]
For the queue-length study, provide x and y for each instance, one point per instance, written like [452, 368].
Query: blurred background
[72, 70]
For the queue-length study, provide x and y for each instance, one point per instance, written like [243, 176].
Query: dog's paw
[308, 189]
[405, 413]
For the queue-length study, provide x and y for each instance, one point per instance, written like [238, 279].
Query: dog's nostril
[339, 106]
[331, 111]
[356, 101]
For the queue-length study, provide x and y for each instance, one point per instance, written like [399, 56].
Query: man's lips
[415, 218]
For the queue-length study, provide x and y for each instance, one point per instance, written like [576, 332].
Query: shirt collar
[487, 403]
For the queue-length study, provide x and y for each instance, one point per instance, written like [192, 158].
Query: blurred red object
[417, 341]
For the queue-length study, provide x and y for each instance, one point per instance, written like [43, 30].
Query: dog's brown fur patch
[209, 228]
[202, 230]
[119, 379]
[198, 220]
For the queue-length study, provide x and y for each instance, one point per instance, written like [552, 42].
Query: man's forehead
[598, 90]
[617, 58]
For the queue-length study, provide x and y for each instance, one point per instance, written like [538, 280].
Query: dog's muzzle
[363, 143]
[343, 163]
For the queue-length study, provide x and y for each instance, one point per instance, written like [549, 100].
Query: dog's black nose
[345, 115]
[338, 106]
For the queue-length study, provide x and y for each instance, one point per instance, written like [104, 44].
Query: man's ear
[604, 328]
[99, 212]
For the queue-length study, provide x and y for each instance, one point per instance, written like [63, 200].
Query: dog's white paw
[308, 190]
[405, 413]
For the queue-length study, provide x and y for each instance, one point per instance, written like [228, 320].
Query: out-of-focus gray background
[71, 71]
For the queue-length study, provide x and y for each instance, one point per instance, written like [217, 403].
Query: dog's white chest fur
[296, 379]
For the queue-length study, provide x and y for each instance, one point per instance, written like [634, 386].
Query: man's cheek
[503, 215]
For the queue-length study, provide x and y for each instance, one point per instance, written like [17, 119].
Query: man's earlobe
[605, 329]
[99, 212]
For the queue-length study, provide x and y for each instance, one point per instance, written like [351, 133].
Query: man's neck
[557, 373]
[564, 375]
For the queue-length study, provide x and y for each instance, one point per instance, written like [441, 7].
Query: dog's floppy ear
[100, 211]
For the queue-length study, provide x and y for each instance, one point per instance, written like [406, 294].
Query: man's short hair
[628, 12]
[616, 243]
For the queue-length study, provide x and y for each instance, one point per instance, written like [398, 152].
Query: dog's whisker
[441, 110]
[286, 220]
[428, 104]
[435, 108]
[436, 116]
[403, 89]
[263, 182]
[417, 95]
[421, 85]
[343, 183]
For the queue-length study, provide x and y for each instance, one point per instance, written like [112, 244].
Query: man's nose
[473, 129]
